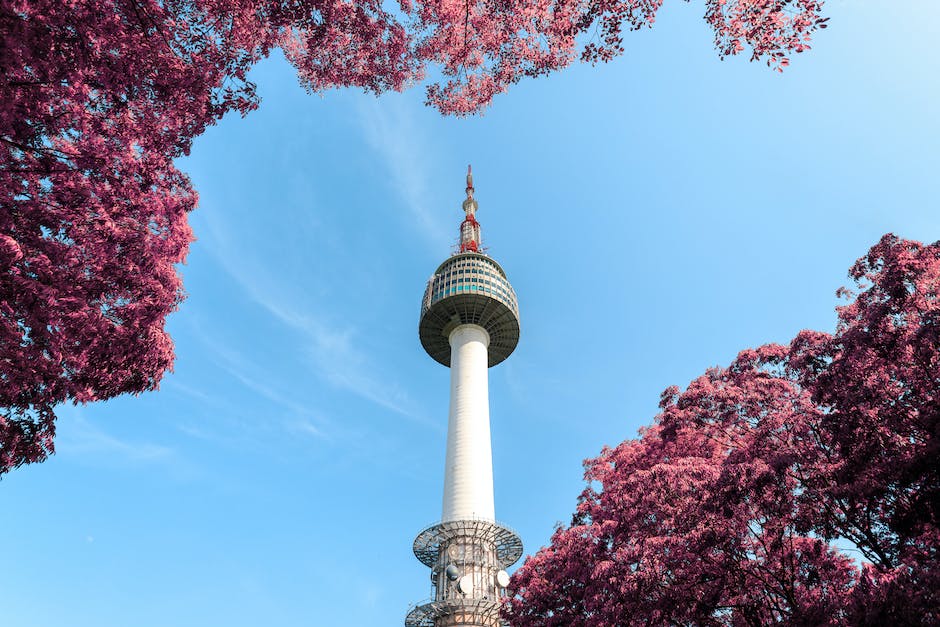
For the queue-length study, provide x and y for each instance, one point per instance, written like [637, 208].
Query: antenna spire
[470, 228]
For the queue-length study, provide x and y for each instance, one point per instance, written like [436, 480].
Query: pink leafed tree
[736, 506]
[97, 97]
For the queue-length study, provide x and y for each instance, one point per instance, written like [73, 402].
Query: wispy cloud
[171, 383]
[81, 440]
[330, 348]
[237, 366]
[300, 416]
[390, 129]
[307, 428]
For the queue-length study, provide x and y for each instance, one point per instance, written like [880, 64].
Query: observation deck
[469, 288]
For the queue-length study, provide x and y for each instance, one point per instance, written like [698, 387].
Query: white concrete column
[468, 470]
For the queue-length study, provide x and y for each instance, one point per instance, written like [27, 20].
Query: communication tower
[469, 322]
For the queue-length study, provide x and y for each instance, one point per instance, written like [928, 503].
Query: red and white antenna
[470, 229]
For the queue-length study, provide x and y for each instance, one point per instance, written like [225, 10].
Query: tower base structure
[451, 613]
[466, 558]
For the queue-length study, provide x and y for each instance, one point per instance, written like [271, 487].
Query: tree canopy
[799, 485]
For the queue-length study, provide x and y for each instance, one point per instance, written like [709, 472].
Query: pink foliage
[482, 47]
[96, 105]
[772, 29]
[725, 510]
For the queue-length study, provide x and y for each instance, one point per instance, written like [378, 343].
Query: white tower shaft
[468, 471]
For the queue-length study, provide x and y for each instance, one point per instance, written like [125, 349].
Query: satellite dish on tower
[502, 579]
[465, 584]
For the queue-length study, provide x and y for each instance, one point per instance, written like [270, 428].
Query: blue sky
[655, 216]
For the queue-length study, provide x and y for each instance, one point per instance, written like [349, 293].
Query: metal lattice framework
[508, 544]
[476, 612]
